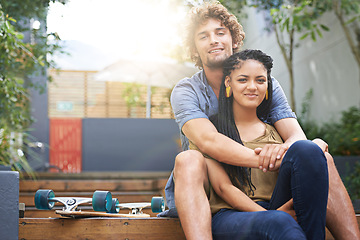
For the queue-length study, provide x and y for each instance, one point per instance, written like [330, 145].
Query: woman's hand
[288, 207]
[322, 144]
[270, 156]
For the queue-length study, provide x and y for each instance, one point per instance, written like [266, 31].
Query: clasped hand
[270, 156]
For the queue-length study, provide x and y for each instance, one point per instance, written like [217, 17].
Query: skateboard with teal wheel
[45, 200]
[102, 202]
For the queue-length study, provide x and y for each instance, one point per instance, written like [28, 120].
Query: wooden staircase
[127, 187]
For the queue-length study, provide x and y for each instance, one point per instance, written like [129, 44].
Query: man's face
[213, 43]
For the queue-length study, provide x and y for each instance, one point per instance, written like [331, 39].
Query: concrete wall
[123, 144]
[39, 130]
[327, 66]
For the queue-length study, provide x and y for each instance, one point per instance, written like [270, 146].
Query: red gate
[66, 144]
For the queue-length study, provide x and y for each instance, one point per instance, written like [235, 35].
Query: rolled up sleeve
[185, 103]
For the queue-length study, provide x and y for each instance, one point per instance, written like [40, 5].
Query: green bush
[14, 115]
[343, 137]
[352, 182]
[20, 59]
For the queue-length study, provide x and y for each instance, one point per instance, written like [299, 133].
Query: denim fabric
[230, 224]
[303, 176]
[194, 98]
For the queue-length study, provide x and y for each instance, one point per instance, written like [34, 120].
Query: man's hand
[271, 156]
[288, 207]
[322, 144]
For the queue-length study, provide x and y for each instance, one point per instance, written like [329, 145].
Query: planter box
[5, 168]
[356, 204]
[9, 204]
[346, 166]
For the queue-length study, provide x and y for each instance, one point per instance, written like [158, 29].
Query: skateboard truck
[71, 204]
[45, 200]
[157, 205]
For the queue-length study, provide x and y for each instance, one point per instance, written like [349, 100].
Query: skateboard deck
[85, 214]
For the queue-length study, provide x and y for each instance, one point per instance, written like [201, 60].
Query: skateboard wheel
[101, 201]
[114, 206]
[157, 204]
[42, 197]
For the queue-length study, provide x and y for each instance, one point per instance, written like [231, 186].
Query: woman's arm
[204, 135]
[233, 196]
[222, 185]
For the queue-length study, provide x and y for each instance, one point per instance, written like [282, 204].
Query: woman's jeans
[303, 176]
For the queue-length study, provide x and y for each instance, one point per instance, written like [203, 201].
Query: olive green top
[263, 182]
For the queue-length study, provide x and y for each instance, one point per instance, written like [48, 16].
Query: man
[213, 35]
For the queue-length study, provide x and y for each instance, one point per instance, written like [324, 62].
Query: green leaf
[11, 19]
[319, 33]
[304, 36]
[325, 28]
[313, 37]
[352, 19]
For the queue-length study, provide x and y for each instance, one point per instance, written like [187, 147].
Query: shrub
[343, 137]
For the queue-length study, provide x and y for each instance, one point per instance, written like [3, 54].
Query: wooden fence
[77, 94]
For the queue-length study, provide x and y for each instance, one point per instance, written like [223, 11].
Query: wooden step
[106, 228]
[101, 228]
[92, 185]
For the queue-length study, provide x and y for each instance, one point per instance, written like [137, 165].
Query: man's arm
[204, 135]
[290, 131]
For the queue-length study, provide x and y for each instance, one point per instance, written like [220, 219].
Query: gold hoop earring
[227, 91]
[266, 95]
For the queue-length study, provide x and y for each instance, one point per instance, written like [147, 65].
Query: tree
[295, 17]
[17, 61]
[348, 14]
[301, 16]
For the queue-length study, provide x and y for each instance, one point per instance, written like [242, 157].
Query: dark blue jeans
[303, 176]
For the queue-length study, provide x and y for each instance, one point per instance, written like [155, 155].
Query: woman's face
[248, 83]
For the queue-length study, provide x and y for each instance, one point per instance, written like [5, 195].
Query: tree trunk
[289, 63]
[355, 48]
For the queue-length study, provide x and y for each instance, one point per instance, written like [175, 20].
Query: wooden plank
[101, 228]
[106, 228]
[99, 175]
[89, 185]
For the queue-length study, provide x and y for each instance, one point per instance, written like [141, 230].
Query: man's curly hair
[199, 15]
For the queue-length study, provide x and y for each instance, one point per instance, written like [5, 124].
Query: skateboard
[102, 203]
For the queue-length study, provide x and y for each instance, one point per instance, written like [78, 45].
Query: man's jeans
[303, 176]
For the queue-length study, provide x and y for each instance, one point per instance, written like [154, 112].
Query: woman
[263, 203]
